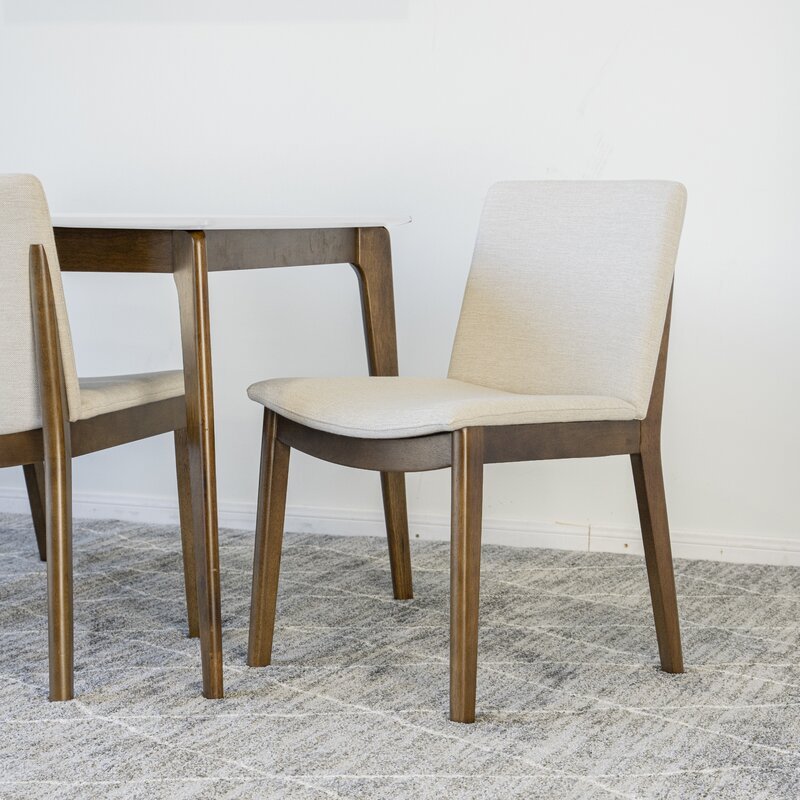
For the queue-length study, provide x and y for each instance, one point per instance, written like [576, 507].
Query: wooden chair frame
[465, 452]
[46, 455]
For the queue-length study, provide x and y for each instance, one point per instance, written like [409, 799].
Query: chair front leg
[58, 480]
[649, 482]
[185, 494]
[269, 538]
[465, 570]
[56, 436]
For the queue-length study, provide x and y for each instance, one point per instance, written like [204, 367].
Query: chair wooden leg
[59, 576]
[649, 482]
[465, 570]
[269, 538]
[393, 487]
[35, 483]
[56, 440]
[187, 528]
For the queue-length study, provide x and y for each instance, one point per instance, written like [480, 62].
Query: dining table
[190, 247]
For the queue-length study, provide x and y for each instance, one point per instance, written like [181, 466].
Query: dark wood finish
[503, 443]
[185, 512]
[465, 569]
[128, 425]
[649, 482]
[373, 266]
[58, 475]
[272, 482]
[395, 513]
[108, 250]
[551, 440]
[26, 447]
[100, 432]
[191, 280]
[420, 453]
[259, 249]
[35, 484]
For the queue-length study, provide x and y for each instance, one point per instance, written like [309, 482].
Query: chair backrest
[569, 287]
[25, 220]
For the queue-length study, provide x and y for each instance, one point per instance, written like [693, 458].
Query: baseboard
[704, 545]
[716, 546]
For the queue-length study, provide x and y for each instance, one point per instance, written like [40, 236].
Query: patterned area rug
[570, 702]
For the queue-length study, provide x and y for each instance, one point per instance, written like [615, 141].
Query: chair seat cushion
[115, 392]
[387, 408]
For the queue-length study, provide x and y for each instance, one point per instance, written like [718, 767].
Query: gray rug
[570, 702]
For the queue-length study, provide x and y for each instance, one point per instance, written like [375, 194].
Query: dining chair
[560, 352]
[48, 415]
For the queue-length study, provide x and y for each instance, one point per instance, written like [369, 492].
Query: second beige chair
[48, 415]
[560, 352]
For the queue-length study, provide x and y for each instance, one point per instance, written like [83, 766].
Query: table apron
[259, 249]
[107, 250]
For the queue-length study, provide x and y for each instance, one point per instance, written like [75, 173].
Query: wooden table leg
[191, 279]
[374, 269]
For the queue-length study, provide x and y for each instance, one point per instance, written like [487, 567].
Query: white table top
[220, 223]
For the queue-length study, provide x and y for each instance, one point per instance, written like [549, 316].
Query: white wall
[415, 107]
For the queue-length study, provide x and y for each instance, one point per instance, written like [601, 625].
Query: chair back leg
[465, 570]
[34, 483]
[185, 493]
[269, 539]
[393, 488]
[649, 482]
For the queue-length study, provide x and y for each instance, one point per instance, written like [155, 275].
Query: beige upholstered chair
[48, 414]
[560, 352]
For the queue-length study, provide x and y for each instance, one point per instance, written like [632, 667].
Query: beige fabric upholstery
[561, 322]
[383, 408]
[569, 287]
[115, 392]
[25, 220]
